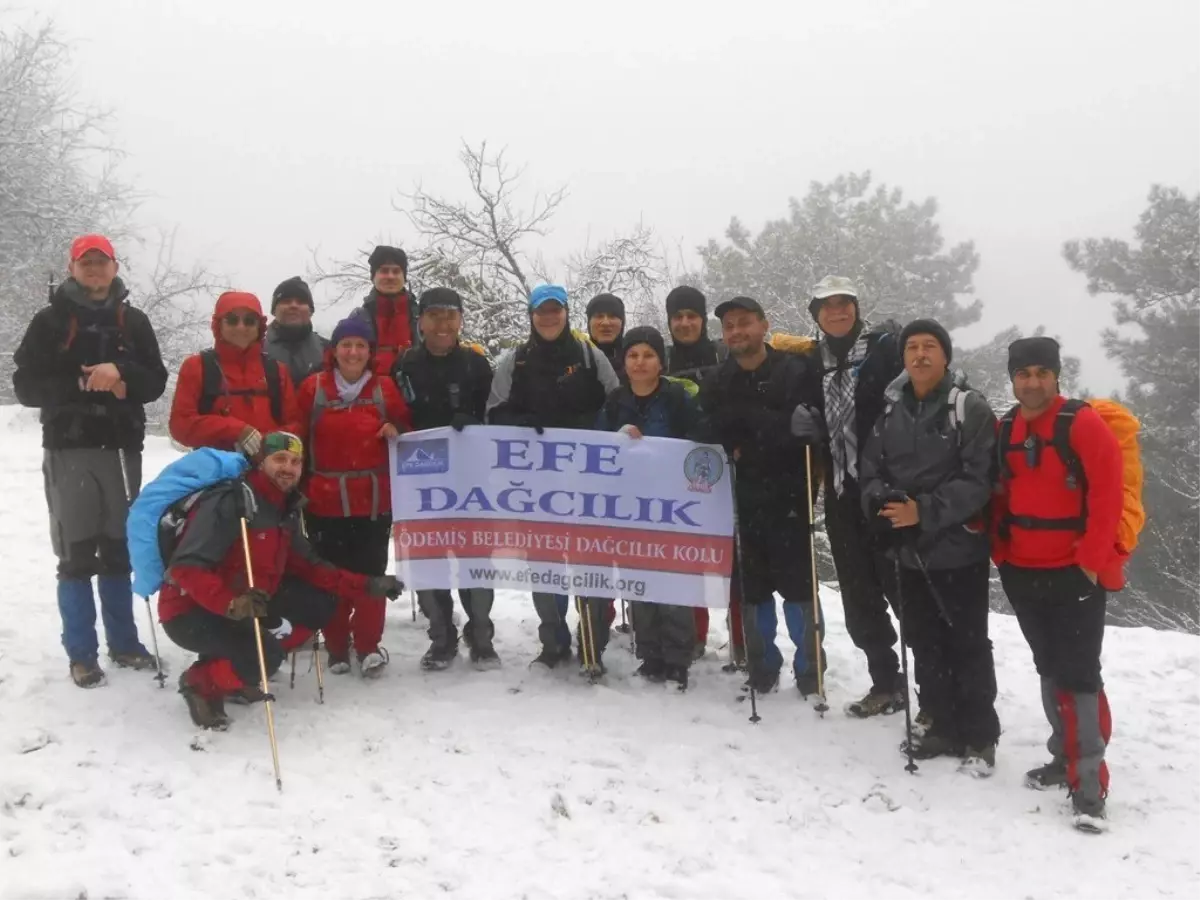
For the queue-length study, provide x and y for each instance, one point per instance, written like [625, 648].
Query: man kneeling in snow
[207, 602]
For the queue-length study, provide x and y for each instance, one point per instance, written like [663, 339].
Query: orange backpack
[1125, 426]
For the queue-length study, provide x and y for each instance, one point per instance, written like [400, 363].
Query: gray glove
[806, 424]
[249, 442]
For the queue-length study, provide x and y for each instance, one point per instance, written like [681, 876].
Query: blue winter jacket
[670, 412]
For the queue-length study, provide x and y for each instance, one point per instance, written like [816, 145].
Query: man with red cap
[90, 362]
[209, 599]
[389, 309]
[229, 396]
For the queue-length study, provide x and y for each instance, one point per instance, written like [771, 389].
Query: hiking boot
[676, 675]
[594, 671]
[485, 658]
[87, 674]
[931, 745]
[338, 664]
[979, 762]
[700, 650]
[139, 659]
[206, 712]
[1044, 778]
[652, 670]
[551, 657]
[1090, 815]
[921, 723]
[763, 682]
[877, 703]
[439, 657]
[807, 685]
[247, 695]
[371, 665]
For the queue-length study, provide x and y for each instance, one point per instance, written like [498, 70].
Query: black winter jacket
[70, 333]
[438, 387]
[946, 468]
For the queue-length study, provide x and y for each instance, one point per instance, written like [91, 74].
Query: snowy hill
[511, 785]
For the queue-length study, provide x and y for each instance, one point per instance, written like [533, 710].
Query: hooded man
[90, 362]
[390, 309]
[229, 396]
[207, 603]
[926, 481]
[553, 380]
[606, 327]
[1057, 548]
[290, 336]
[858, 362]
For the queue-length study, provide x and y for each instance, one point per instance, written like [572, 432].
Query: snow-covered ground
[510, 785]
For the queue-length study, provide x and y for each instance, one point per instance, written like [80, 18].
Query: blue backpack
[163, 505]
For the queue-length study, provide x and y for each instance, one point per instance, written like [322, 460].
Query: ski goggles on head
[278, 441]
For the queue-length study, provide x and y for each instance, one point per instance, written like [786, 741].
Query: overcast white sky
[264, 129]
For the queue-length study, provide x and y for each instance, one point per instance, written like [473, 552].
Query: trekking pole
[911, 768]
[317, 663]
[161, 677]
[737, 548]
[587, 649]
[262, 663]
[821, 706]
[292, 676]
[412, 596]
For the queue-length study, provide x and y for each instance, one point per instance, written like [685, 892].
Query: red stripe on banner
[564, 542]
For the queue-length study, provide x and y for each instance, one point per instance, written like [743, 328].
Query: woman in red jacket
[347, 414]
[229, 396]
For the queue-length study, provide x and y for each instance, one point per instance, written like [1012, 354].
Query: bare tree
[57, 177]
[632, 266]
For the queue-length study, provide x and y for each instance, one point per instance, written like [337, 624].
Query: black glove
[461, 420]
[806, 424]
[384, 586]
[530, 420]
[250, 605]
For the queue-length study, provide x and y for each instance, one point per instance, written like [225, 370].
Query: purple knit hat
[353, 327]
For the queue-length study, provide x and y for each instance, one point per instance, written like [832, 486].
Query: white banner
[585, 513]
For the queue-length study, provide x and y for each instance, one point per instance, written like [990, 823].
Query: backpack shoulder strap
[957, 401]
[1004, 444]
[380, 405]
[1061, 441]
[320, 401]
[274, 372]
[212, 381]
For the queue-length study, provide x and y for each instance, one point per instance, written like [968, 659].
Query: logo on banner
[428, 457]
[703, 468]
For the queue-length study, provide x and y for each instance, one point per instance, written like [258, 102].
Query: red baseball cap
[86, 242]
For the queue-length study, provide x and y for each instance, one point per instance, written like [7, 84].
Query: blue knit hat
[546, 292]
[353, 327]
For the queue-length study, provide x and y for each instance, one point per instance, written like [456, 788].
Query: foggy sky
[264, 129]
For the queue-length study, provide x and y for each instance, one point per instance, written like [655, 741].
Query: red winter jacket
[208, 567]
[242, 370]
[1042, 491]
[394, 323]
[346, 439]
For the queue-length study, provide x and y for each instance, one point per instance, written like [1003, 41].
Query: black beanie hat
[606, 303]
[387, 256]
[644, 334]
[292, 288]
[688, 298]
[1034, 351]
[928, 326]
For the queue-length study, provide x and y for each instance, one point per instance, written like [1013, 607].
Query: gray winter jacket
[298, 347]
[946, 465]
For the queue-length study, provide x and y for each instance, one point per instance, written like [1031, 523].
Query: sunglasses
[250, 320]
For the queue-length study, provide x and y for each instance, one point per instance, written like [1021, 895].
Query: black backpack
[214, 386]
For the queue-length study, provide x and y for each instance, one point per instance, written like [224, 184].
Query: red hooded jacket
[1042, 491]
[208, 567]
[346, 459]
[242, 371]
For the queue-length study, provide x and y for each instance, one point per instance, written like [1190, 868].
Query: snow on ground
[511, 785]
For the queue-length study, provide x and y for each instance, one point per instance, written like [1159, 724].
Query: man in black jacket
[90, 361]
[926, 479]
[447, 383]
[290, 337]
[750, 401]
[553, 380]
[857, 364]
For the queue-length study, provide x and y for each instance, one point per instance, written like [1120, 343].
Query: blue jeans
[77, 608]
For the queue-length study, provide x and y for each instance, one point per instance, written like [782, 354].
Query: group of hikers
[924, 489]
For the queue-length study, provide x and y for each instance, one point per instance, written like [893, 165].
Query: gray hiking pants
[438, 607]
[663, 632]
[88, 493]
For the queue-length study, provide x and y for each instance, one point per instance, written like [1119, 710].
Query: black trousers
[218, 637]
[357, 544]
[1061, 614]
[946, 625]
[863, 598]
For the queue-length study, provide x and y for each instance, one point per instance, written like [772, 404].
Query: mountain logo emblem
[427, 457]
